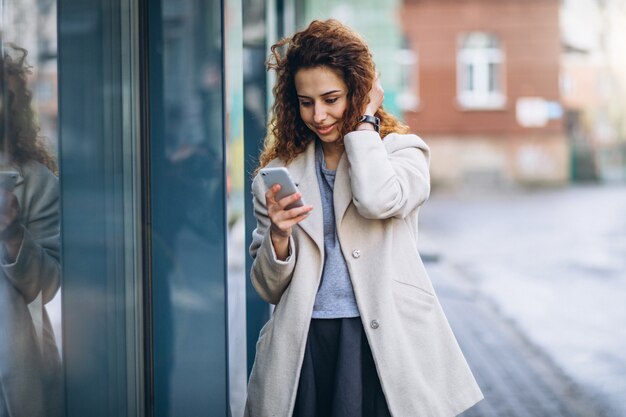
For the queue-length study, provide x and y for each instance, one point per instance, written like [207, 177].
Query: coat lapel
[304, 175]
[342, 193]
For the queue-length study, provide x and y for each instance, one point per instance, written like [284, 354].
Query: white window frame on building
[407, 60]
[480, 81]
[408, 99]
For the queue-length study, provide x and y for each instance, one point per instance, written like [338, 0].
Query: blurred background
[523, 103]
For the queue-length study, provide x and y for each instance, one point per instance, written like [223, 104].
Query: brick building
[486, 78]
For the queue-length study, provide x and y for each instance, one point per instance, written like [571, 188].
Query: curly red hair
[19, 132]
[327, 44]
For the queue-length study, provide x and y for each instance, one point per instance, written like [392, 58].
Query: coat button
[356, 253]
[374, 324]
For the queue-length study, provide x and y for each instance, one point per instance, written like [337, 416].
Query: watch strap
[373, 120]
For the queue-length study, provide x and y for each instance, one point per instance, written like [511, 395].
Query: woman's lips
[325, 129]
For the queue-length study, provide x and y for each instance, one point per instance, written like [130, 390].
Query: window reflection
[30, 274]
[30, 368]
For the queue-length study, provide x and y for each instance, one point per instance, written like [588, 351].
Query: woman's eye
[331, 100]
[305, 103]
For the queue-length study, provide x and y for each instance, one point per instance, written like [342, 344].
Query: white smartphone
[8, 180]
[281, 176]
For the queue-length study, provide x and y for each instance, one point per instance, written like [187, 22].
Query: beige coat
[379, 187]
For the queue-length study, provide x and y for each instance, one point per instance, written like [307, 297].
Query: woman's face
[322, 95]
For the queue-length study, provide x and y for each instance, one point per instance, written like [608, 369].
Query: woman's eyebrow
[321, 95]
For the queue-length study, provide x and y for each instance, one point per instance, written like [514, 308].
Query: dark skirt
[338, 377]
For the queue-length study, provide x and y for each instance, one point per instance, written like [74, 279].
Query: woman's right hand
[283, 220]
[10, 231]
[9, 208]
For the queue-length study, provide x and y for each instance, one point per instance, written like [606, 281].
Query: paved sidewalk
[516, 378]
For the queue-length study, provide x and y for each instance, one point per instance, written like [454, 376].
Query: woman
[30, 370]
[357, 329]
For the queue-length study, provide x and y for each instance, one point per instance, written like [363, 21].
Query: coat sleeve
[36, 268]
[269, 275]
[389, 177]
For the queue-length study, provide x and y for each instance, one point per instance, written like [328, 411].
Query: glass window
[407, 61]
[480, 59]
[30, 274]
[256, 18]
[188, 193]
[101, 206]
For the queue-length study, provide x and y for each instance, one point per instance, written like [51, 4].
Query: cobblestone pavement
[516, 378]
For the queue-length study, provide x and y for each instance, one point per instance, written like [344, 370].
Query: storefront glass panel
[101, 198]
[187, 207]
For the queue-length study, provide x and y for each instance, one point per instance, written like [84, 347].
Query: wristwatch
[373, 120]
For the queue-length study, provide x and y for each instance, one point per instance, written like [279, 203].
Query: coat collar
[303, 172]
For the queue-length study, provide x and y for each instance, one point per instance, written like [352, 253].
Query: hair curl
[327, 44]
[19, 137]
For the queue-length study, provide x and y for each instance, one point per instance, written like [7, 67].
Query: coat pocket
[413, 276]
[412, 302]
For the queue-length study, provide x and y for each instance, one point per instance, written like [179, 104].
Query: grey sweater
[335, 296]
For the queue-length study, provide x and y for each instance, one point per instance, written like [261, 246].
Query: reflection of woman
[357, 329]
[29, 255]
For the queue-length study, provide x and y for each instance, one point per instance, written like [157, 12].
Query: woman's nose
[320, 114]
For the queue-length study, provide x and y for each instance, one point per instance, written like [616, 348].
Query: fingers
[270, 197]
[283, 220]
[285, 202]
[270, 194]
[288, 218]
[297, 212]
[376, 97]
[8, 208]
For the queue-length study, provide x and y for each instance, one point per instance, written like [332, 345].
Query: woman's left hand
[376, 96]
